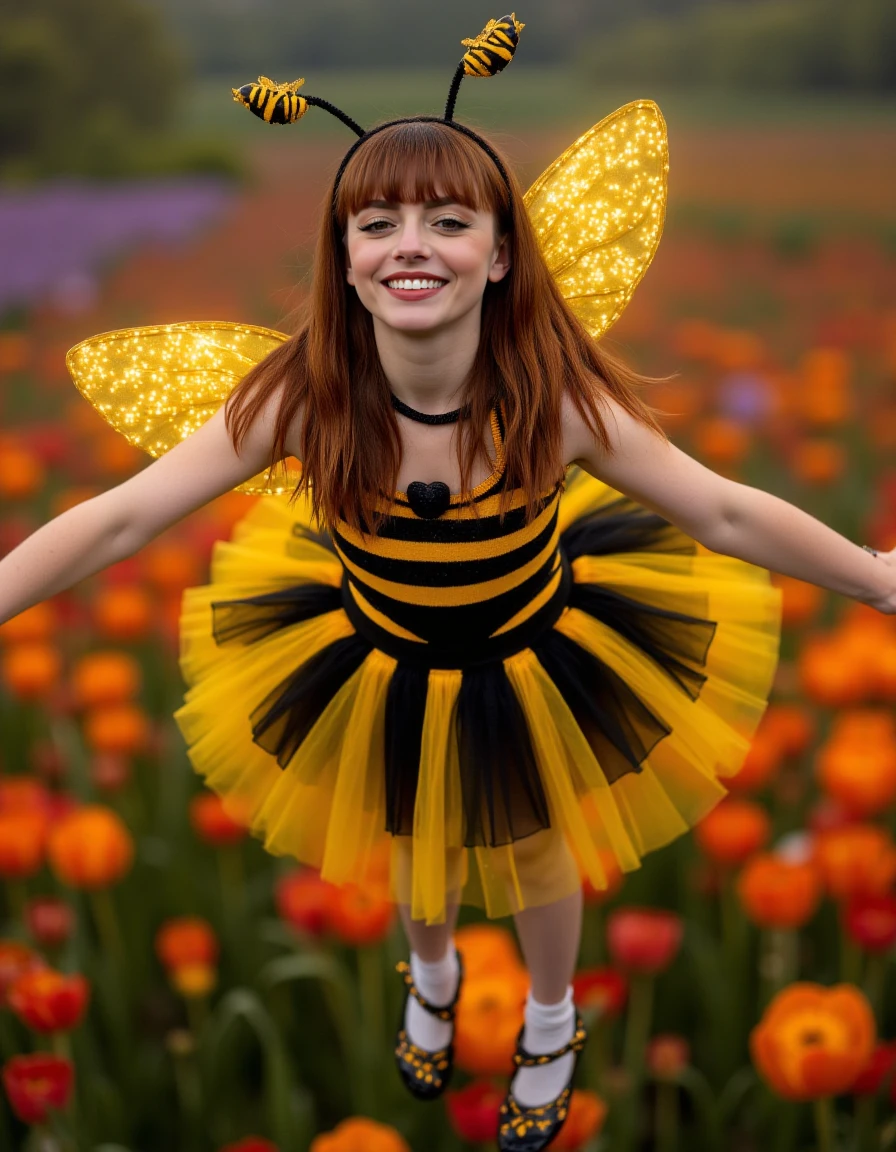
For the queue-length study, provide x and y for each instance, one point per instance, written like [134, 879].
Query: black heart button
[428, 500]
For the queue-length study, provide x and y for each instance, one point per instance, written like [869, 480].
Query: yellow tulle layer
[327, 808]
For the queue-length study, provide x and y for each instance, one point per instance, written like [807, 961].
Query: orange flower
[778, 893]
[23, 793]
[101, 678]
[186, 941]
[800, 601]
[212, 822]
[33, 626]
[488, 1021]
[818, 461]
[49, 1001]
[121, 728]
[170, 566]
[667, 1054]
[855, 860]
[733, 831]
[90, 847]
[585, 1118]
[760, 765]
[194, 981]
[23, 838]
[358, 1134]
[813, 1041]
[613, 876]
[13, 351]
[21, 472]
[791, 726]
[826, 381]
[737, 348]
[860, 775]
[303, 900]
[830, 674]
[123, 613]
[721, 440]
[487, 950]
[30, 671]
[359, 916]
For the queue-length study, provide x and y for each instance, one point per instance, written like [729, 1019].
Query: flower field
[166, 985]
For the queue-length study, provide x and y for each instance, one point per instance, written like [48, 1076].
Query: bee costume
[476, 702]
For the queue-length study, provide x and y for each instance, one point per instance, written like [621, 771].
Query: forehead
[383, 202]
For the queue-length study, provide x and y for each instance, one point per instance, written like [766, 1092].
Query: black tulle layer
[502, 794]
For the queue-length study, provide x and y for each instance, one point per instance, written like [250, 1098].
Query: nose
[410, 241]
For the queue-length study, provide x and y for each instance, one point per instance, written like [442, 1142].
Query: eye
[454, 224]
[374, 226]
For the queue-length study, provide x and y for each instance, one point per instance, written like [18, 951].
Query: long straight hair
[531, 348]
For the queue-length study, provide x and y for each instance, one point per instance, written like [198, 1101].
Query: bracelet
[873, 551]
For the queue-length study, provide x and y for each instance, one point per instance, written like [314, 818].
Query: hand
[886, 601]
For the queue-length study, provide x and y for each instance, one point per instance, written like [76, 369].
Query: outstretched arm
[727, 517]
[117, 523]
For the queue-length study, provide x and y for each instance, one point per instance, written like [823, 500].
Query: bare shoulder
[646, 466]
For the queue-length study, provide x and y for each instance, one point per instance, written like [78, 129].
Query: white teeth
[415, 284]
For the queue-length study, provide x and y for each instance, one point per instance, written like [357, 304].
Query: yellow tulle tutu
[676, 646]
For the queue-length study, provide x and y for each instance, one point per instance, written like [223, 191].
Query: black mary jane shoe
[426, 1074]
[522, 1129]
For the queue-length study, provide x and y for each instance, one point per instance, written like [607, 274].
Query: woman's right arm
[107, 528]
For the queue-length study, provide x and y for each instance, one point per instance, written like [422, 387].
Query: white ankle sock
[437, 983]
[548, 1027]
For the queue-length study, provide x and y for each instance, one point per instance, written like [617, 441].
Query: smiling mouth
[406, 284]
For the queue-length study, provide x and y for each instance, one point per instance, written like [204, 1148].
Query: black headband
[487, 54]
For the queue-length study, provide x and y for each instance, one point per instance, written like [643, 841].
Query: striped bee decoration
[274, 103]
[492, 50]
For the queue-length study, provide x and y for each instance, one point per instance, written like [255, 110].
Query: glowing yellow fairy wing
[156, 385]
[599, 210]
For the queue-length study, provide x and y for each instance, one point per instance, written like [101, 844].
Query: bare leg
[549, 937]
[429, 941]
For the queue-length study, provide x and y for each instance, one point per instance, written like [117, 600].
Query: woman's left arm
[727, 517]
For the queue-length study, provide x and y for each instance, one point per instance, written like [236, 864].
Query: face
[422, 267]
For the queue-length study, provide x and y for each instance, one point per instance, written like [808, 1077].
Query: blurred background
[164, 984]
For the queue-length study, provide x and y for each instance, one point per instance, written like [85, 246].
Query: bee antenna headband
[487, 54]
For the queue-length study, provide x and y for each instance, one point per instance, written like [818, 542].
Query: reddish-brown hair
[531, 347]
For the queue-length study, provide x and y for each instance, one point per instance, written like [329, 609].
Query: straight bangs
[417, 161]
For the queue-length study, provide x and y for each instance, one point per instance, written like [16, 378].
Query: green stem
[850, 959]
[233, 883]
[637, 1031]
[106, 921]
[875, 971]
[197, 1014]
[667, 1117]
[823, 1109]
[61, 1044]
[865, 1108]
[17, 897]
[370, 980]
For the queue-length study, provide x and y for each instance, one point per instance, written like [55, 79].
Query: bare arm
[117, 523]
[726, 517]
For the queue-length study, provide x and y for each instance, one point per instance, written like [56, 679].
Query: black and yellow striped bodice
[461, 588]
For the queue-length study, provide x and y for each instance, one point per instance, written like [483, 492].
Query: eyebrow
[394, 203]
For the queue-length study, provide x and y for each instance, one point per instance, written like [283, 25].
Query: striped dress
[459, 683]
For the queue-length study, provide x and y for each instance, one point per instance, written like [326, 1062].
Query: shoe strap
[444, 1012]
[524, 1059]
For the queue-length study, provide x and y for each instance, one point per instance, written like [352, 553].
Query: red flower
[49, 1001]
[303, 900]
[871, 922]
[881, 1065]
[643, 941]
[37, 1083]
[603, 988]
[359, 916]
[185, 941]
[214, 823]
[50, 920]
[473, 1111]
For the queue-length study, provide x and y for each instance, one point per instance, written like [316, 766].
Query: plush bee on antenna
[272, 102]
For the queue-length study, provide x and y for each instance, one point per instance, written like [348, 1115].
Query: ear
[501, 264]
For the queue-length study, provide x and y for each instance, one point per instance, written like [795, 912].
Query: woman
[460, 642]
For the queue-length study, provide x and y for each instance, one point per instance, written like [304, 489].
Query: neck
[428, 370]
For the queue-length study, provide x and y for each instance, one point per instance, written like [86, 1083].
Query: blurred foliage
[271, 36]
[92, 89]
[773, 44]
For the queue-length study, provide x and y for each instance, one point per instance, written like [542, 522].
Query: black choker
[426, 417]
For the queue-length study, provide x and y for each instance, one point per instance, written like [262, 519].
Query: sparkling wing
[599, 210]
[156, 385]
